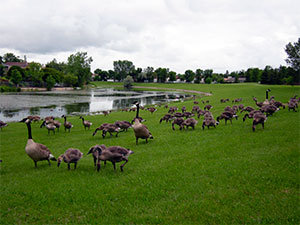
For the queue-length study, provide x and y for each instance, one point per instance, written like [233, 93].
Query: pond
[15, 106]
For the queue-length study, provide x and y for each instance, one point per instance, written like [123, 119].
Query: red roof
[20, 64]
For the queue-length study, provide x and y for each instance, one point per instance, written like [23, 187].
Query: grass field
[226, 175]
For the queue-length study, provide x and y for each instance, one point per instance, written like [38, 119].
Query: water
[16, 106]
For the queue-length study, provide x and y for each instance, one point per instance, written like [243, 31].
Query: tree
[35, 74]
[12, 68]
[266, 75]
[16, 77]
[58, 76]
[149, 71]
[70, 80]
[122, 68]
[162, 74]
[10, 57]
[56, 65]
[293, 52]
[79, 64]
[207, 74]
[189, 76]
[172, 76]
[198, 76]
[50, 82]
[101, 75]
[128, 82]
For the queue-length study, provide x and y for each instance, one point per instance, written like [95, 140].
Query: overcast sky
[176, 34]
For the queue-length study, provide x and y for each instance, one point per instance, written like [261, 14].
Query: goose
[2, 124]
[124, 125]
[67, 125]
[71, 155]
[190, 122]
[113, 153]
[36, 151]
[140, 130]
[86, 123]
[49, 126]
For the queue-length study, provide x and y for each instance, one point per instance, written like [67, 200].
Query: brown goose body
[113, 154]
[36, 151]
[71, 155]
[86, 123]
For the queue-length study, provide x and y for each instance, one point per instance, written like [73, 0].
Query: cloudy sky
[177, 34]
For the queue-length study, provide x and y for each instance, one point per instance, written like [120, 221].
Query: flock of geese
[114, 154]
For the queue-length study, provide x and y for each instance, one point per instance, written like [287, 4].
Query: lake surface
[15, 106]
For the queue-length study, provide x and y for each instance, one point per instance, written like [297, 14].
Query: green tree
[189, 76]
[79, 64]
[59, 66]
[58, 76]
[162, 74]
[293, 52]
[10, 57]
[149, 71]
[172, 76]
[207, 74]
[198, 76]
[70, 80]
[12, 68]
[35, 74]
[122, 68]
[16, 77]
[101, 75]
[128, 82]
[50, 82]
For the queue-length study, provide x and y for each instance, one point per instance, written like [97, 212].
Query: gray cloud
[179, 34]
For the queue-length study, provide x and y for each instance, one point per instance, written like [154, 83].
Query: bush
[50, 81]
[9, 89]
[128, 82]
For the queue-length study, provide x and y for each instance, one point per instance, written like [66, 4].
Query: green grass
[227, 175]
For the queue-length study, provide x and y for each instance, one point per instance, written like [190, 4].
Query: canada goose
[72, 155]
[110, 128]
[113, 153]
[269, 109]
[227, 115]
[200, 112]
[49, 126]
[105, 113]
[34, 118]
[167, 117]
[107, 127]
[67, 125]
[250, 114]
[86, 123]
[259, 104]
[208, 107]
[152, 110]
[2, 124]
[224, 100]
[237, 100]
[36, 151]
[257, 119]
[209, 122]
[190, 122]
[188, 114]
[172, 109]
[141, 131]
[178, 114]
[241, 106]
[196, 102]
[292, 105]
[248, 109]
[183, 109]
[124, 125]
[178, 121]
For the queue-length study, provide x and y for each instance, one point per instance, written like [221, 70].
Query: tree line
[76, 72]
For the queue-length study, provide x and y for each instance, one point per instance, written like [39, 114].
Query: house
[229, 79]
[23, 65]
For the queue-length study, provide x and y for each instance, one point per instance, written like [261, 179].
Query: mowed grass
[226, 175]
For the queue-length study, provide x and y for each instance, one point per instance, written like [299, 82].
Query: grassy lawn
[226, 175]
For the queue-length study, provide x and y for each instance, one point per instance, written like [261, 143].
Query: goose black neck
[29, 130]
[137, 110]
[267, 94]
[65, 118]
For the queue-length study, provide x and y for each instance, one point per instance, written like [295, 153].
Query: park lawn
[224, 175]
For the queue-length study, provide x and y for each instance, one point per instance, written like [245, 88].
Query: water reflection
[15, 106]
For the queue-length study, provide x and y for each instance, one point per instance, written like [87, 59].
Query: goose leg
[114, 164]
[68, 166]
[136, 141]
[75, 165]
[95, 161]
[121, 167]
[49, 162]
[35, 164]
